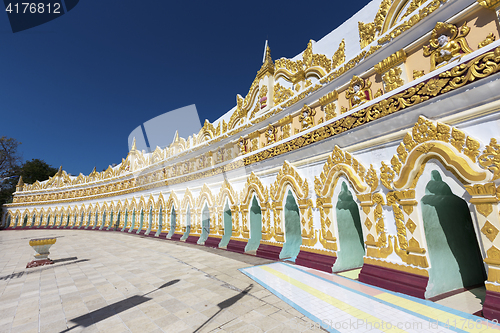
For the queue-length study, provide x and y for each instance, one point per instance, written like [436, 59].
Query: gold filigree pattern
[490, 38]
[490, 158]
[392, 79]
[281, 93]
[391, 61]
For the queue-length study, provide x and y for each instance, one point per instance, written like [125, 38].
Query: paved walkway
[116, 282]
[339, 304]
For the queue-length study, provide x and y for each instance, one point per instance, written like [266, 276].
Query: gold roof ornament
[134, 147]
[267, 66]
[20, 184]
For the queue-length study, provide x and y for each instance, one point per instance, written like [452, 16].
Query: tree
[36, 169]
[10, 160]
[10, 164]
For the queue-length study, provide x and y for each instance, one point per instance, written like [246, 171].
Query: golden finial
[133, 146]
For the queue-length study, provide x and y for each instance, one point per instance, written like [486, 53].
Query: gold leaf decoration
[490, 231]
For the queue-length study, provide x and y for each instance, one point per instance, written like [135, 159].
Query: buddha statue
[447, 44]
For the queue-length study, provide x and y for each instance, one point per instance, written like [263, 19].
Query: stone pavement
[117, 282]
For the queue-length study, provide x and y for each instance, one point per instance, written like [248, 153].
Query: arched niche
[450, 238]
[187, 205]
[255, 228]
[361, 182]
[205, 204]
[226, 217]
[254, 188]
[172, 206]
[227, 211]
[433, 148]
[351, 241]
[291, 202]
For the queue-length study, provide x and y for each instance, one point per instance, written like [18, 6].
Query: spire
[134, 148]
[20, 184]
[59, 172]
[176, 137]
[268, 65]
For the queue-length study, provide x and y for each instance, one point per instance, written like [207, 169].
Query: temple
[375, 148]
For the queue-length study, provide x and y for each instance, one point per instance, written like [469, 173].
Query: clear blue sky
[74, 88]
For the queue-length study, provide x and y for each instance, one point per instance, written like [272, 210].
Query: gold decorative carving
[417, 74]
[393, 60]
[367, 31]
[484, 209]
[490, 38]
[408, 24]
[368, 224]
[339, 55]
[328, 98]
[490, 231]
[493, 256]
[271, 133]
[412, 259]
[447, 44]
[411, 225]
[358, 92]
[414, 4]
[481, 189]
[330, 111]
[281, 93]
[489, 4]
[490, 158]
[392, 79]
[307, 117]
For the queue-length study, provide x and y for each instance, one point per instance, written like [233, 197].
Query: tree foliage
[11, 167]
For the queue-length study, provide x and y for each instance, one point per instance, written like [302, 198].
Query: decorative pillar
[485, 202]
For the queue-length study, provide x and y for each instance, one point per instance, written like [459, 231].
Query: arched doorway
[454, 254]
[293, 237]
[132, 226]
[205, 224]
[351, 245]
[25, 221]
[141, 221]
[188, 224]
[173, 222]
[160, 221]
[103, 222]
[228, 225]
[125, 221]
[255, 227]
[40, 222]
[150, 221]
[33, 220]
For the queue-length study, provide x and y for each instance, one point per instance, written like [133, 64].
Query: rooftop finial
[133, 146]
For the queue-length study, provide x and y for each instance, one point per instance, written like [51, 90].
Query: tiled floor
[116, 282]
[339, 304]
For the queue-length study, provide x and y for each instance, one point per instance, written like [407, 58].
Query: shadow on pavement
[113, 309]
[227, 303]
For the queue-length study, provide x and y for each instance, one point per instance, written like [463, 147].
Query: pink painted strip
[346, 282]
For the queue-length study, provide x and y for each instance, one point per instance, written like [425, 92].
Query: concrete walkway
[116, 282]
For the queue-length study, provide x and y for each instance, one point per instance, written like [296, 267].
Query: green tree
[36, 169]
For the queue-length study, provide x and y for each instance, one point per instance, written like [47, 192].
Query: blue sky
[74, 88]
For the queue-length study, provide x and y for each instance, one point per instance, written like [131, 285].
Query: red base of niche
[491, 306]
[212, 242]
[236, 246]
[317, 261]
[269, 252]
[387, 278]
